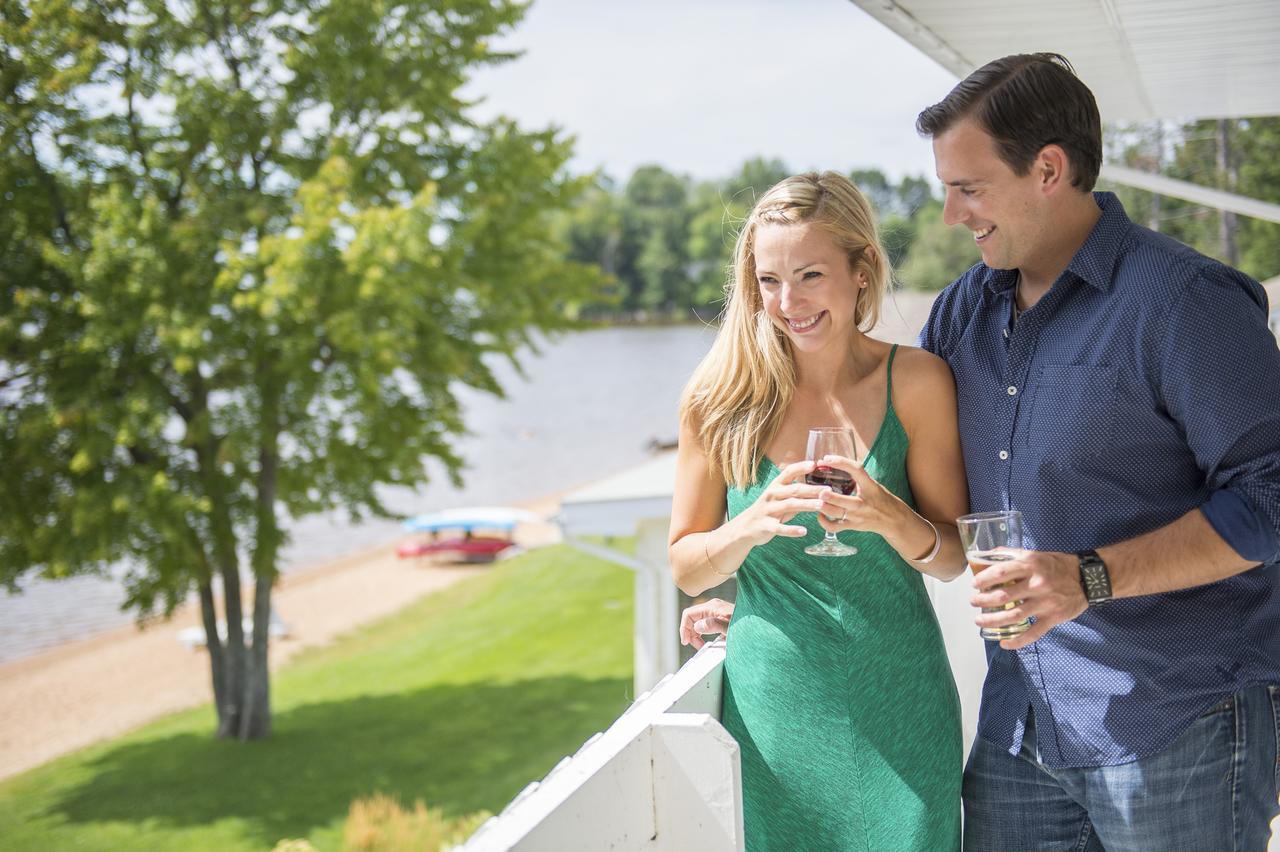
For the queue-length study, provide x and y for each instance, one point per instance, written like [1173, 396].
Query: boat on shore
[474, 535]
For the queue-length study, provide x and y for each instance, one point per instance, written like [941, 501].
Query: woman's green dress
[838, 690]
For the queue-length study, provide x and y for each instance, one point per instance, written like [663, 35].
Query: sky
[699, 86]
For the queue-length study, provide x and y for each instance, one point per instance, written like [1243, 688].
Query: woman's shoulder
[919, 364]
[920, 380]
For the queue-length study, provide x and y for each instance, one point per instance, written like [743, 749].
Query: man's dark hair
[1024, 103]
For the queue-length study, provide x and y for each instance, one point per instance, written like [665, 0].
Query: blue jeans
[1214, 789]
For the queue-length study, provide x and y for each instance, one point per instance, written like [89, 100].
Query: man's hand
[704, 619]
[1047, 585]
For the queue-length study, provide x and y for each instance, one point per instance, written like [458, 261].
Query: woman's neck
[826, 372]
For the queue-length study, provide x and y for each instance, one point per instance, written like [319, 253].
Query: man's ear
[1052, 168]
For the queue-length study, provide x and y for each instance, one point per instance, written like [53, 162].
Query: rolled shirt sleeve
[1220, 380]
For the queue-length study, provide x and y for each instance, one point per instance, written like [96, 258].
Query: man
[1123, 392]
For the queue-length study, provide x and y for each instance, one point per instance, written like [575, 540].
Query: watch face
[1095, 577]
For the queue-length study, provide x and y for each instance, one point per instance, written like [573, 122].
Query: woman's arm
[703, 548]
[925, 400]
[697, 508]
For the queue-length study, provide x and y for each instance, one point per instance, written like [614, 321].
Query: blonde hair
[742, 388]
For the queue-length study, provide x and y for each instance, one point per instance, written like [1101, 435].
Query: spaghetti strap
[888, 380]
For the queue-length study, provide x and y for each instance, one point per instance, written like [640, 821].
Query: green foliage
[752, 180]
[1190, 153]
[1255, 155]
[898, 235]
[247, 248]
[939, 254]
[459, 700]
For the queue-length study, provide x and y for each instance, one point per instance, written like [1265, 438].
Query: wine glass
[988, 538]
[831, 441]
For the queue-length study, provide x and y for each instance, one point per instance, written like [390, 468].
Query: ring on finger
[843, 517]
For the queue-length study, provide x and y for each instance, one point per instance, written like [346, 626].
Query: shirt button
[1004, 454]
[1012, 390]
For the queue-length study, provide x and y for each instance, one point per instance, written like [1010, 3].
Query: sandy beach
[82, 692]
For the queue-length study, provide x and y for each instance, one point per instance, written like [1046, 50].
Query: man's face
[1006, 213]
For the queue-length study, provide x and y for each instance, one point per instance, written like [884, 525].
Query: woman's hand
[705, 619]
[871, 508]
[874, 508]
[787, 496]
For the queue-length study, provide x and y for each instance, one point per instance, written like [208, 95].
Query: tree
[1257, 148]
[938, 254]
[713, 228]
[1251, 169]
[668, 244]
[246, 248]
[593, 233]
[1194, 153]
[897, 235]
[753, 180]
[879, 191]
[656, 212]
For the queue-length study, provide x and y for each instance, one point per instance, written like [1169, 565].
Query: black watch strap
[1094, 577]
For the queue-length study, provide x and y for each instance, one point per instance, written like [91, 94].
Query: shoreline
[81, 692]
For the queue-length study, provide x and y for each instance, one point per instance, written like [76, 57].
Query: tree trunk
[255, 720]
[217, 664]
[230, 710]
[1156, 214]
[226, 561]
[228, 566]
[1227, 180]
[255, 723]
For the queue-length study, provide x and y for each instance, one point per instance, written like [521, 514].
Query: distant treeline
[665, 242]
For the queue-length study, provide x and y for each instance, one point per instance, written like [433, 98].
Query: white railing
[665, 776]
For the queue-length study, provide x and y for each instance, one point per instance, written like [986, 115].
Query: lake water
[587, 406]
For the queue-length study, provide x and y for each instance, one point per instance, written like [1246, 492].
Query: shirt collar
[1096, 259]
[1095, 262]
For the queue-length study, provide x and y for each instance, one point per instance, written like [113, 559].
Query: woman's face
[808, 290]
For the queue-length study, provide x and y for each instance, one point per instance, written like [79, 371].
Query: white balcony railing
[664, 776]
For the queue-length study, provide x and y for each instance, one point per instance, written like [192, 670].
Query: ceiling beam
[1195, 193]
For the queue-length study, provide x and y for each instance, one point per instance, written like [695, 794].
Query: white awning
[1143, 59]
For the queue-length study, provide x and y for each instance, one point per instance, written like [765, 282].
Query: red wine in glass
[834, 478]
[831, 441]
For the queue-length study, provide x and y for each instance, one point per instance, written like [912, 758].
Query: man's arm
[1186, 553]
[1183, 554]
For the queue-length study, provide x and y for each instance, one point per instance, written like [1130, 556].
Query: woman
[837, 686]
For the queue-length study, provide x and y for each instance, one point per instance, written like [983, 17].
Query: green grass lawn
[459, 700]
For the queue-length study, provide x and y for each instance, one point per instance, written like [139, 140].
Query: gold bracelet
[706, 551]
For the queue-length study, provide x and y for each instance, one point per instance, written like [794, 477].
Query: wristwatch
[1094, 577]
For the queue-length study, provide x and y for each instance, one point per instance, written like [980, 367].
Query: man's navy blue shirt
[1143, 385]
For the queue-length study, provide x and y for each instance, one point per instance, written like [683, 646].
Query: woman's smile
[800, 325]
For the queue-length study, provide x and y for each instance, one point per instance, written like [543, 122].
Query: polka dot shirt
[1143, 385]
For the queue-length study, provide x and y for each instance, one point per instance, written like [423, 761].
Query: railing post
[657, 651]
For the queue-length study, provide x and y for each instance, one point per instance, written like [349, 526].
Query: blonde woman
[837, 686]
